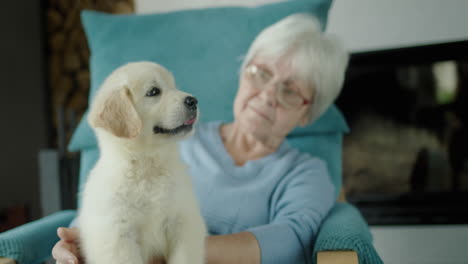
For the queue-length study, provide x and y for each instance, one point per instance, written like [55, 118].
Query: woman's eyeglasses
[287, 96]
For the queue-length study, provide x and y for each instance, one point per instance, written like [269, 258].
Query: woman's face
[271, 100]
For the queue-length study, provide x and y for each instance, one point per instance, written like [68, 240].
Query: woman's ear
[305, 119]
[115, 112]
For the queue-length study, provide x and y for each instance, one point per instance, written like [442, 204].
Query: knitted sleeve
[300, 202]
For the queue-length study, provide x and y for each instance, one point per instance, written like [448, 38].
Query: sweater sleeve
[299, 203]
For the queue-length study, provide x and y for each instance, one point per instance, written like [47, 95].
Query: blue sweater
[281, 198]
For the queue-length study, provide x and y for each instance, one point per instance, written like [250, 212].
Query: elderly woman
[262, 200]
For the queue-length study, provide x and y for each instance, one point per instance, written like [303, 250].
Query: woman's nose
[268, 94]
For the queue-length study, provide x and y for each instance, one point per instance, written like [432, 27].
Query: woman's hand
[67, 250]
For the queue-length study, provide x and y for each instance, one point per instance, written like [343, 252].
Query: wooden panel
[68, 55]
[6, 261]
[337, 257]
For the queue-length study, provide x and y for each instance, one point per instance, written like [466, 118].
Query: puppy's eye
[155, 91]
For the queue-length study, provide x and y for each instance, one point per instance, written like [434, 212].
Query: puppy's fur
[138, 201]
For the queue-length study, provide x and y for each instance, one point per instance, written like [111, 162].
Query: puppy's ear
[115, 112]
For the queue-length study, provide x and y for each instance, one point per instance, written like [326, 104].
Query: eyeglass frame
[252, 70]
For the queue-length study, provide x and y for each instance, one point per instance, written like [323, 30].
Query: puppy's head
[140, 100]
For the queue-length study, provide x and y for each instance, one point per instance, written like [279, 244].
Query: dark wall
[22, 106]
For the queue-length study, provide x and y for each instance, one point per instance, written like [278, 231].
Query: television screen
[405, 159]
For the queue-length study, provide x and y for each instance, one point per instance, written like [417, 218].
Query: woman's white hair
[318, 58]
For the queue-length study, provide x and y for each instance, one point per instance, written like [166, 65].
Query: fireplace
[405, 160]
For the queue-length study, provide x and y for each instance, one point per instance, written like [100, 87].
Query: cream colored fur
[138, 201]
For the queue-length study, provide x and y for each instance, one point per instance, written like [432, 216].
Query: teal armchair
[205, 62]
[344, 236]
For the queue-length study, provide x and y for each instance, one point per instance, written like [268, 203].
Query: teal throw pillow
[203, 48]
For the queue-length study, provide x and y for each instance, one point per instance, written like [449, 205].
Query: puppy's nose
[191, 102]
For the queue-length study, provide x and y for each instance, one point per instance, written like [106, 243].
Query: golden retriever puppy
[138, 201]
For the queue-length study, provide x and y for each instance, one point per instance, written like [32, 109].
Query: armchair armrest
[33, 242]
[343, 230]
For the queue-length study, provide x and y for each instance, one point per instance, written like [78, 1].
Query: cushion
[201, 47]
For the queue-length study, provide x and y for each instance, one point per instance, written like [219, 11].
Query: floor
[447, 244]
